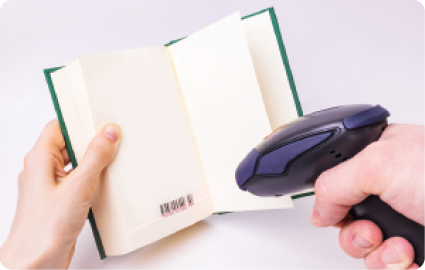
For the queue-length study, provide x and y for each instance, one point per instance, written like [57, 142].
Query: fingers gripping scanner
[291, 159]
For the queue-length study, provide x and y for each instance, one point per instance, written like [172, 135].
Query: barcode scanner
[291, 158]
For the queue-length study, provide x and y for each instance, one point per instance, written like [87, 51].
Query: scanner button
[277, 161]
[366, 117]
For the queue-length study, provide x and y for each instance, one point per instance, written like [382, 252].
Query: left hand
[53, 205]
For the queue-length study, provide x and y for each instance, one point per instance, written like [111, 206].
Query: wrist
[13, 257]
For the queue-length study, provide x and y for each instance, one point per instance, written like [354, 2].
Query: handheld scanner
[290, 160]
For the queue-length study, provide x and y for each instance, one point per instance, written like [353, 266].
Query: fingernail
[361, 241]
[315, 216]
[112, 132]
[391, 255]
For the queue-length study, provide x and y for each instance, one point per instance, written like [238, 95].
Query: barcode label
[190, 199]
[177, 205]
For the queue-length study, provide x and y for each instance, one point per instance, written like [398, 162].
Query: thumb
[345, 185]
[99, 154]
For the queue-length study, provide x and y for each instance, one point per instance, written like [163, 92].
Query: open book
[189, 112]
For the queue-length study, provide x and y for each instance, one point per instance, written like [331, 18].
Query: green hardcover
[47, 74]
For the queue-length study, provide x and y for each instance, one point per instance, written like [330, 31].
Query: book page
[270, 71]
[225, 107]
[157, 162]
[75, 107]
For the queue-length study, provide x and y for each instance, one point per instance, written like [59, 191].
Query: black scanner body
[290, 160]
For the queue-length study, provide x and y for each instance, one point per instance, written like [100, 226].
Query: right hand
[393, 169]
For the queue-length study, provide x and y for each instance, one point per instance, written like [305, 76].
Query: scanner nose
[246, 168]
[276, 161]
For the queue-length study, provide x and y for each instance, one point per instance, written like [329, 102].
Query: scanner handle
[391, 223]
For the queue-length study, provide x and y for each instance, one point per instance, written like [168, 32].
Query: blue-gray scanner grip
[290, 160]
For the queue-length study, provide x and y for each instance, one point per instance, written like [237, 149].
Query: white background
[341, 52]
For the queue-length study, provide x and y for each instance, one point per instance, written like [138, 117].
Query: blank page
[225, 107]
[270, 70]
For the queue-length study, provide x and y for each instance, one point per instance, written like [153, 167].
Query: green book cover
[47, 73]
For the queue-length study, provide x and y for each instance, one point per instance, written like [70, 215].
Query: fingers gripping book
[189, 113]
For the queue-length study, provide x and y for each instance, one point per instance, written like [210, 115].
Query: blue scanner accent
[276, 161]
[366, 117]
[246, 168]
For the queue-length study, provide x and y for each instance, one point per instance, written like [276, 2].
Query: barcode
[177, 205]
[190, 199]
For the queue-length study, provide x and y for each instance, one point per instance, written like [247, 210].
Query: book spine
[68, 145]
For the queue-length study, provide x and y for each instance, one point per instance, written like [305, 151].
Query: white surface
[364, 51]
